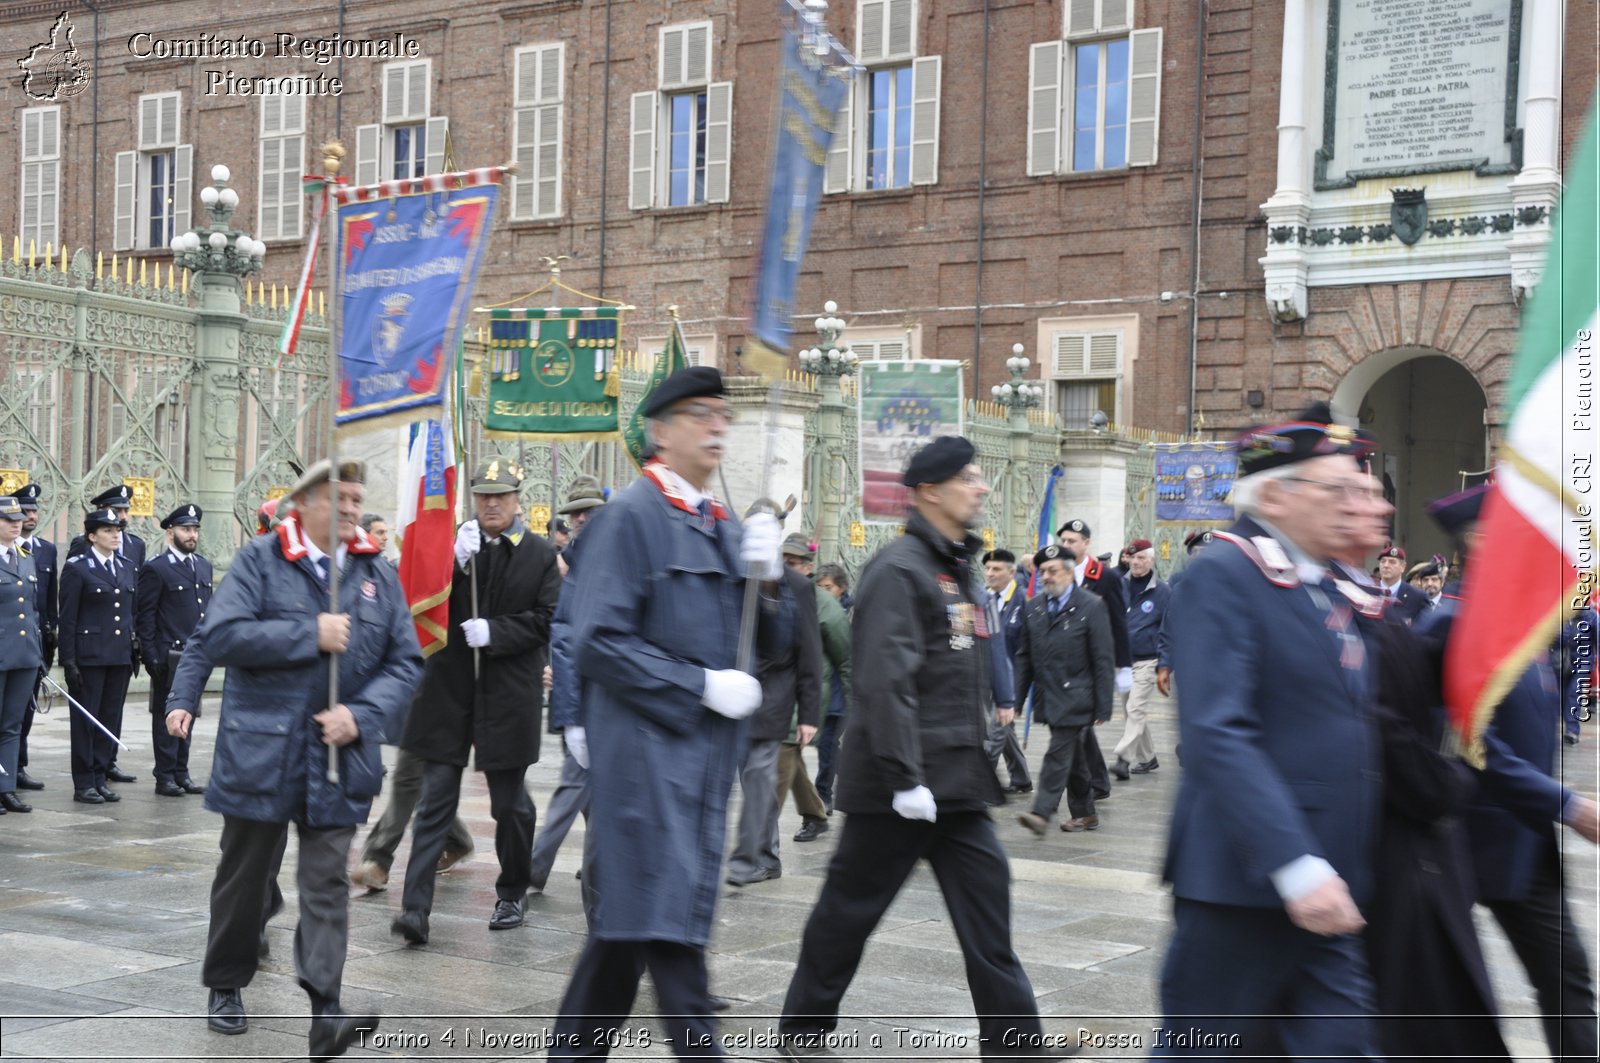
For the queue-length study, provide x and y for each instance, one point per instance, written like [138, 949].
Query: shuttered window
[283, 156]
[680, 138]
[1087, 370]
[537, 131]
[1094, 99]
[153, 185]
[40, 193]
[887, 132]
[409, 142]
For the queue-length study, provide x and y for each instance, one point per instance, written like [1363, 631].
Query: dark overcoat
[791, 676]
[518, 586]
[656, 603]
[1067, 661]
[270, 763]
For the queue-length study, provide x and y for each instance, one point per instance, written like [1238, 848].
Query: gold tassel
[475, 380]
[613, 383]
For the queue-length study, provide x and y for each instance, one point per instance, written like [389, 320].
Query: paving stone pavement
[103, 915]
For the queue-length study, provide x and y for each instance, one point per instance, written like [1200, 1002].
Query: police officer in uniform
[98, 588]
[20, 651]
[131, 550]
[174, 590]
[43, 552]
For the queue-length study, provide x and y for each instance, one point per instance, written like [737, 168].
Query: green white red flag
[1541, 510]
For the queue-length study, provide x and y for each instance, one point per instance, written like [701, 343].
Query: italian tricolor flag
[1540, 517]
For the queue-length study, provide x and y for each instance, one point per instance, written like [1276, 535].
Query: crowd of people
[1326, 850]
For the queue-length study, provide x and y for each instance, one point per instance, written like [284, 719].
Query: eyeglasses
[710, 414]
[1351, 492]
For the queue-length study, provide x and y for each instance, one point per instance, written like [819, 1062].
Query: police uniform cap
[558, 525]
[585, 493]
[103, 518]
[1079, 527]
[185, 516]
[496, 476]
[1196, 539]
[1392, 551]
[1312, 434]
[11, 509]
[797, 546]
[320, 472]
[118, 497]
[1055, 552]
[691, 382]
[1454, 512]
[941, 460]
[27, 496]
[1002, 555]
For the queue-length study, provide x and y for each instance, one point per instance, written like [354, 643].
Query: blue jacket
[1011, 613]
[171, 602]
[21, 645]
[566, 687]
[1146, 610]
[270, 762]
[1280, 750]
[43, 552]
[97, 615]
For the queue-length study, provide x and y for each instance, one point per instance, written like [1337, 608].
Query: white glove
[477, 631]
[1124, 680]
[468, 540]
[578, 745]
[732, 693]
[760, 548]
[916, 803]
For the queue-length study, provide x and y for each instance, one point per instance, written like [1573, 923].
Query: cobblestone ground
[103, 913]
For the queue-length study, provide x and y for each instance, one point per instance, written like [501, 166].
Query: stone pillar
[1538, 185]
[828, 482]
[751, 465]
[215, 398]
[1016, 533]
[1289, 210]
[1094, 487]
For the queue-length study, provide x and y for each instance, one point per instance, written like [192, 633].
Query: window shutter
[1069, 354]
[30, 202]
[671, 58]
[127, 175]
[1081, 17]
[394, 93]
[642, 151]
[291, 197]
[182, 186]
[438, 137]
[694, 355]
[719, 140]
[1144, 96]
[548, 173]
[169, 120]
[537, 132]
[272, 115]
[1087, 355]
[871, 41]
[900, 32]
[1044, 108]
[1115, 15]
[925, 120]
[368, 149]
[697, 54]
[836, 178]
[269, 184]
[149, 123]
[406, 89]
[1105, 354]
[892, 350]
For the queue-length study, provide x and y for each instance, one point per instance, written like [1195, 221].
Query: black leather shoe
[1020, 788]
[1147, 767]
[1102, 795]
[13, 803]
[335, 1031]
[719, 1003]
[810, 830]
[107, 793]
[508, 915]
[116, 774]
[26, 781]
[167, 788]
[225, 1012]
[766, 874]
[190, 786]
[412, 925]
[90, 796]
[1120, 769]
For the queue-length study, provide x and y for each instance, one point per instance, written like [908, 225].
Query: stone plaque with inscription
[1420, 86]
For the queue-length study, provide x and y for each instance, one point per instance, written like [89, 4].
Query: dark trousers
[600, 997]
[570, 798]
[1540, 928]
[827, 746]
[1252, 974]
[405, 789]
[16, 690]
[27, 725]
[102, 693]
[172, 754]
[1065, 768]
[1003, 742]
[241, 896]
[1099, 777]
[514, 823]
[876, 855]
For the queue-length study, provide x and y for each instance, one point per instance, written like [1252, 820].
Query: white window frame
[406, 94]
[41, 168]
[698, 349]
[157, 133]
[278, 193]
[1090, 18]
[1052, 83]
[537, 130]
[1121, 329]
[888, 344]
[685, 63]
[886, 37]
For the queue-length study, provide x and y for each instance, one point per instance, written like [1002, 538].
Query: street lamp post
[830, 361]
[219, 255]
[1018, 395]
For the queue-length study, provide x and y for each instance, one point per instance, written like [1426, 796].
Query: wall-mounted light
[1255, 399]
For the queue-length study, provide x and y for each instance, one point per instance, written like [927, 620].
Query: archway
[1428, 413]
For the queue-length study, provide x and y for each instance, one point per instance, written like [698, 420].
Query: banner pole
[333, 153]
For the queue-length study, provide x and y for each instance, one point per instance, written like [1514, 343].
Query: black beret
[1078, 526]
[1312, 434]
[691, 382]
[103, 518]
[1422, 568]
[1196, 539]
[1055, 552]
[939, 461]
[1454, 512]
[185, 516]
[1002, 554]
[28, 496]
[120, 496]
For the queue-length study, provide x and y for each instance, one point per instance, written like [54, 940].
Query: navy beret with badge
[118, 497]
[27, 496]
[1312, 434]
[691, 382]
[943, 459]
[1078, 527]
[185, 516]
[1195, 540]
[1055, 552]
[103, 518]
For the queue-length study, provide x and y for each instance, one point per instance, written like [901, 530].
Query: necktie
[322, 568]
[707, 521]
[188, 559]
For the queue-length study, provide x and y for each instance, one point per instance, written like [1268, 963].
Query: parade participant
[835, 581]
[584, 498]
[1064, 659]
[1093, 576]
[269, 627]
[475, 697]
[1405, 601]
[1193, 543]
[130, 550]
[98, 589]
[21, 647]
[377, 530]
[43, 552]
[1269, 855]
[832, 578]
[655, 624]
[174, 590]
[834, 626]
[1010, 602]
[1147, 607]
[914, 780]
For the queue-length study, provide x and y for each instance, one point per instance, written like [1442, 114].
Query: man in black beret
[912, 786]
[1106, 582]
[174, 591]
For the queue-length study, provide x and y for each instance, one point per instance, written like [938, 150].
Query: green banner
[552, 375]
[671, 359]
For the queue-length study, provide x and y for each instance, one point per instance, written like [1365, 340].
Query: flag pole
[332, 154]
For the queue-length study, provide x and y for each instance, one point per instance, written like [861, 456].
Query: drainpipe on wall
[605, 149]
[94, 137]
[1197, 165]
[983, 170]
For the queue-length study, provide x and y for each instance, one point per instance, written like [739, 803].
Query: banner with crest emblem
[409, 253]
[553, 373]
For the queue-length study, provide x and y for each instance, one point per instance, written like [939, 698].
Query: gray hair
[1247, 489]
[369, 519]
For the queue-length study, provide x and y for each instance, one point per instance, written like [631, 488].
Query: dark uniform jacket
[791, 674]
[1145, 611]
[97, 618]
[1406, 603]
[1106, 582]
[20, 644]
[518, 586]
[132, 549]
[171, 602]
[919, 712]
[1066, 660]
[1012, 611]
[43, 552]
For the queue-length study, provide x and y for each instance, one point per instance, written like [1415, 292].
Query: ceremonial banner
[553, 374]
[426, 523]
[1194, 482]
[809, 99]
[671, 359]
[904, 406]
[409, 256]
[1540, 509]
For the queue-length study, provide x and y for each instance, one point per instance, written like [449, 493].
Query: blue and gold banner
[1194, 482]
[809, 102]
[409, 256]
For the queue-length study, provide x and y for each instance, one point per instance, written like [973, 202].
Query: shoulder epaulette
[1368, 605]
[74, 559]
[1267, 555]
